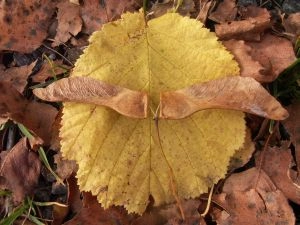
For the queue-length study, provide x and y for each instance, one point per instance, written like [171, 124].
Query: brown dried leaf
[69, 22]
[292, 124]
[246, 204]
[249, 67]
[248, 29]
[24, 24]
[277, 165]
[292, 25]
[205, 6]
[37, 117]
[237, 93]
[17, 76]
[225, 12]
[65, 168]
[160, 8]
[94, 14]
[49, 70]
[274, 53]
[95, 214]
[87, 90]
[20, 169]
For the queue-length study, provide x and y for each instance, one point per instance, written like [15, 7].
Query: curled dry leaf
[87, 90]
[65, 168]
[248, 29]
[205, 6]
[96, 13]
[21, 180]
[277, 165]
[17, 76]
[49, 70]
[249, 67]
[292, 124]
[24, 24]
[246, 203]
[237, 93]
[292, 25]
[225, 12]
[274, 53]
[69, 22]
[95, 214]
[160, 8]
[263, 60]
[37, 117]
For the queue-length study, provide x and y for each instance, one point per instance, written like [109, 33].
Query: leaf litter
[256, 60]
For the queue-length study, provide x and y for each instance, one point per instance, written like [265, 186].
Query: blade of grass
[14, 215]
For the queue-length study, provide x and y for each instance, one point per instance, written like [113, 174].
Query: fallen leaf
[69, 22]
[247, 204]
[292, 124]
[59, 214]
[17, 76]
[205, 6]
[64, 168]
[38, 117]
[49, 70]
[225, 12]
[292, 25]
[160, 8]
[119, 158]
[96, 13]
[237, 93]
[87, 90]
[253, 11]
[248, 29]
[74, 195]
[95, 214]
[277, 164]
[19, 171]
[275, 51]
[24, 24]
[249, 66]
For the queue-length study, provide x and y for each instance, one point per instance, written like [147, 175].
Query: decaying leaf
[263, 60]
[277, 165]
[69, 22]
[292, 25]
[225, 12]
[237, 93]
[19, 170]
[37, 117]
[17, 76]
[247, 204]
[87, 90]
[24, 24]
[95, 214]
[292, 124]
[96, 13]
[119, 158]
[249, 28]
[50, 70]
[160, 8]
[274, 53]
[64, 168]
[249, 66]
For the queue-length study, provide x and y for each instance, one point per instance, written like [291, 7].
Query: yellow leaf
[119, 158]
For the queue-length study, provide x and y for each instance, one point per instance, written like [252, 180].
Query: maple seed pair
[236, 93]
